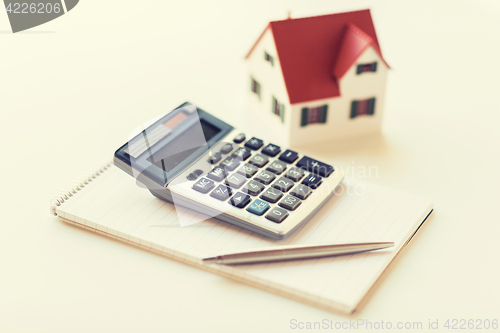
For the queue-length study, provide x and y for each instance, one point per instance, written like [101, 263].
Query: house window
[314, 115]
[269, 58]
[255, 86]
[362, 107]
[278, 109]
[362, 68]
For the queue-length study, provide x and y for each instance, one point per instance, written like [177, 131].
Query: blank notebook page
[364, 212]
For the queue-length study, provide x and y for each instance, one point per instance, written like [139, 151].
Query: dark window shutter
[268, 57]
[359, 69]
[324, 112]
[371, 106]
[374, 67]
[305, 114]
[354, 109]
[282, 113]
[273, 106]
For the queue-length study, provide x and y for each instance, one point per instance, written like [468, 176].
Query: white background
[71, 91]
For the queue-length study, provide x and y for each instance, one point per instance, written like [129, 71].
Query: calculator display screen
[161, 149]
[184, 145]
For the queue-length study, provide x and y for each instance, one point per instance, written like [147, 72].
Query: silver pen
[294, 252]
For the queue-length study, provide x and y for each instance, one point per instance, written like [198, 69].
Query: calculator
[195, 160]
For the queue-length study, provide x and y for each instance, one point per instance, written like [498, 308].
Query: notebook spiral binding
[62, 197]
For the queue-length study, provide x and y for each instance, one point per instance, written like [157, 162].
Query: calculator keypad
[277, 214]
[240, 200]
[230, 163]
[289, 156]
[258, 207]
[317, 167]
[248, 170]
[239, 138]
[215, 158]
[301, 191]
[242, 153]
[271, 195]
[217, 174]
[259, 160]
[235, 180]
[265, 177]
[203, 185]
[275, 191]
[295, 174]
[283, 184]
[313, 181]
[290, 202]
[254, 143]
[271, 150]
[276, 167]
[221, 192]
[226, 149]
[253, 187]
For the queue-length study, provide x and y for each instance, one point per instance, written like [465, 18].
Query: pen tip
[386, 245]
[210, 260]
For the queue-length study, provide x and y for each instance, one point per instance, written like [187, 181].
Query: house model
[318, 79]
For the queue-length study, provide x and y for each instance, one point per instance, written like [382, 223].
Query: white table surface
[71, 90]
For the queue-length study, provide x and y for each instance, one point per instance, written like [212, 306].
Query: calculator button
[203, 185]
[239, 138]
[198, 172]
[192, 176]
[265, 177]
[290, 202]
[254, 143]
[248, 170]
[221, 192]
[235, 180]
[240, 200]
[295, 174]
[277, 215]
[253, 188]
[259, 160]
[277, 167]
[215, 158]
[313, 181]
[319, 168]
[283, 184]
[289, 156]
[271, 150]
[301, 191]
[271, 195]
[230, 163]
[242, 153]
[217, 174]
[258, 207]
[226, 149]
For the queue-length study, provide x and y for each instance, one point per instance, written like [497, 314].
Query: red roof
[315, 52]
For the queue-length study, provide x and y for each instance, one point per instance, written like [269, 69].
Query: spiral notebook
[109, 202]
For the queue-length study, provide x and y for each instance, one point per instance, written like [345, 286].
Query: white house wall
[339, 125]
[272, 84]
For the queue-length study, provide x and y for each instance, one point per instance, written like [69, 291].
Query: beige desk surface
[72, 89]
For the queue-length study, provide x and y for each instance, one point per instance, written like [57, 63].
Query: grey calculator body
[195, 160]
